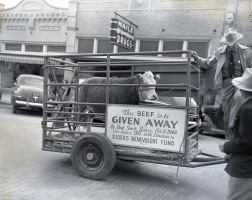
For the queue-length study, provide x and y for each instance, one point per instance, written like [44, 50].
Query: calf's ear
[139, 76]
[157, 77]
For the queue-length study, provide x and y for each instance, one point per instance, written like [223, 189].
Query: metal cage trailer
[151, 131]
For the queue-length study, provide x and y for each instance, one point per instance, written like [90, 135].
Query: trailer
[160, 131]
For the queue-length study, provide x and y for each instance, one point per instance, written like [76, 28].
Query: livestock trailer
[151, 131]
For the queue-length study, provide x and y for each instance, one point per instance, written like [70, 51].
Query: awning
[22, 59]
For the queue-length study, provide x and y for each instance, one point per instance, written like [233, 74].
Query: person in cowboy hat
[230, 60]
[239, 148]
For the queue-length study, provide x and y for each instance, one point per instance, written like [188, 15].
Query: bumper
[31, 104]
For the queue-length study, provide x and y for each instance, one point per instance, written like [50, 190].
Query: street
[28, 173]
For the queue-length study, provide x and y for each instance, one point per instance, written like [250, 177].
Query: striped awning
[22, 59]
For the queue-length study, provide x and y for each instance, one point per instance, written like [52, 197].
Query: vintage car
[212, 122]
[28, 92]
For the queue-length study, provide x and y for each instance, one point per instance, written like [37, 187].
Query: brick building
[27, 32]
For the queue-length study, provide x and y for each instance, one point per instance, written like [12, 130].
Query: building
[28, 31]
[34, 28]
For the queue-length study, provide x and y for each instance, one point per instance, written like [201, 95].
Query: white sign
[146, 127]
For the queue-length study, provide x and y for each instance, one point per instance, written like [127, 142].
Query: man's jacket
[219, 57]
[240, 146]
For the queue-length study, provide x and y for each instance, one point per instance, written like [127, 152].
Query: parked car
[213, 120]
[28, 92]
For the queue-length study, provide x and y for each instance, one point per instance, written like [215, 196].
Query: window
[85, 46]
[171, 46]
[149, 46]
[34, 48]
[13, 47]
[54, 48]
[121, 49]
[200, 47]
[104, 46]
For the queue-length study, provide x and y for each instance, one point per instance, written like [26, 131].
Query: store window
[121, 49]
[13, 47]
[104, 46]
[52, 48]
[148, 45]
[171, 46]
[200, 47]
[85, 45]
[33, 48]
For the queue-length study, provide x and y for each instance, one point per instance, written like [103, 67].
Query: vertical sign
[121, 33]
[147, 127]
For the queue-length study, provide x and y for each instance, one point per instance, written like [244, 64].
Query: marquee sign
[121, 33]
[152, 128]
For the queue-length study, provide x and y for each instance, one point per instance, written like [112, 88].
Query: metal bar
[59, 139]
[62, 68]
[191, 146]
[73, 103]
[192, 126]
[57, 150]
[192, 165]
[46, 73]
[77, 122]
[107, 88]
[133, 64]
[75, 113]
[62, 61]
[65, 131]
[57, 87]
[207, 154]
[65, 92]
[195, 68]
[193, 135]
[79, 55]
[129, 85]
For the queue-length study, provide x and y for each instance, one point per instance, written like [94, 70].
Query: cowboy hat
[245, 81]
[231, 36]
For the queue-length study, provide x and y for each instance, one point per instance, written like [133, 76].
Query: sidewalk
[6, 96]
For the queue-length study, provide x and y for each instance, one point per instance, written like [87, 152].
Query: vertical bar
[76, 97]
[188, 102]
[44, 123]
[107, 88]
[198, 109]
[132, 69]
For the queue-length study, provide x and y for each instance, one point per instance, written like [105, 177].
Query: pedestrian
[239, 148]
[230, 60]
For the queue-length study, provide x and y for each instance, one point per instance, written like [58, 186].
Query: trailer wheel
[93, 156]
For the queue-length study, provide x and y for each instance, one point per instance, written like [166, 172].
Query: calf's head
[148, 92]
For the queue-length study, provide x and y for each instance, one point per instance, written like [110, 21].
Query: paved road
[27, 173]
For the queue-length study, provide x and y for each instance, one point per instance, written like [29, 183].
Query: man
[239, 148]
[231, 60]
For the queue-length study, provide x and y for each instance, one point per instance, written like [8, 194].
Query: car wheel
[93, 156]
[15, 109]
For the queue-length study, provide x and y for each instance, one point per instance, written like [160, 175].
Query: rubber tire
[14, 109]
[107, 157]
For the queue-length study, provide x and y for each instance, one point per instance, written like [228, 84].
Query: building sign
[154, 128]
[121, 33]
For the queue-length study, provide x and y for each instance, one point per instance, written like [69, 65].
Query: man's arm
[205, 63]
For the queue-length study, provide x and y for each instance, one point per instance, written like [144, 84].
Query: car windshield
[31, 81]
